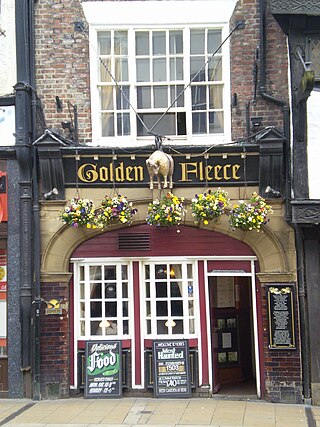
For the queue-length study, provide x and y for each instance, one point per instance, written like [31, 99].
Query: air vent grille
[134, 242]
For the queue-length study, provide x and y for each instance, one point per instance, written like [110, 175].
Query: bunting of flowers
[166, 212]
[116, 209]
[80, 213]
[250, 215]
[209, 206]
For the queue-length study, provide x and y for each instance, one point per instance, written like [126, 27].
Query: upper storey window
[158, 75]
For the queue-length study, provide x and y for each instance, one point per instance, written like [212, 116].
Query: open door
[232, 335]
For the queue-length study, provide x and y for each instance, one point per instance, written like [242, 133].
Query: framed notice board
[103, 369]
[281, 317]
[171, 368]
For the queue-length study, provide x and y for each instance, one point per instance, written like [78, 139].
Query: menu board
[171, 368]
[281, 317]
[103, 369]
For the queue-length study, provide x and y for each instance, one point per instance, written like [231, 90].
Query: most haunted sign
[194, 170]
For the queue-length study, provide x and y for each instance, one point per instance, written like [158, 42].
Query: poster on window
[103, 369]
[171, 368]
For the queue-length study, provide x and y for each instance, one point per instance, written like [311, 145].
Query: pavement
[130, 412]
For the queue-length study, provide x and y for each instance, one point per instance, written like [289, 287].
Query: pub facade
[206, 88]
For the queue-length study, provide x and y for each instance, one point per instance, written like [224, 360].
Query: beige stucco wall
[273, 245]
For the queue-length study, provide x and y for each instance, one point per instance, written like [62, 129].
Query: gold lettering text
[88, 172]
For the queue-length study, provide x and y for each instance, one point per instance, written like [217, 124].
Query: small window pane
[81, 287]
[81, 269]
[111, 309]
[214, 41]
[161, 271]
[121, 69]
[215, 97]
[178, 328]
[215, 69]
[104, 43]
[124, 290]
[110, 272]
[189, 271]
[175, 271]
[105, 69]
[191, 308]
[125, 309]
[166, 126]
[107, 124]
[112, 328]
[160, 94]
[82, 309]
[144, 97]
[191, 326]
[95, 309]
[123, 98]
[199, 123]
[123, 124]
[95, 329]
[176, 69]
[95, 273]
[148, 308]
[190, 289]
[161, 308]
[142, 43]
[82, 327]
[159, 43]
[106, 97]
[120, 43]
[176, 308]
[95, 291]
[161, 290]
[176, 42]
[159, 70]
[143, 70]
[126, 327]
[216, 122]
[197, 42]
[147, 272]
[177, 95]
[197, 69]
[199, 97]
[147, 289]
[148, 327]
[110, 290]
[161, 328]
[176, 290]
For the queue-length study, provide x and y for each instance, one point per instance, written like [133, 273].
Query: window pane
[178, 95]
[144, 97]
[106, 97]
[95, 272]
[81, 269]
[124, 290]
[159, 70]
[95, 329]
[124, 272]
[181, 123]
[191, 308]
[199, 97]
[160, 94]
[215, 97]
[110, 272]
[148, 327]
[176, 289]
[104, 43]
[121, 69]
[176, 308]
[81, 293]
[161, 328]
[161, 271]
[123, 98]
[159, 43]
[125, 327]
[110, 290]
[147, 289]
[216, 122]
[175, 42]
[123, 124]
[142, 43]
[176, 69]
[82, 309]
[215, 69]
[189, 271]
[112, 328]
[190, 289]
[166, 126]
[95, 309]
[107, 124]
[105, 66]
[214, 41]
[95, 291]
[197, 70]
[125, 309]
[197, 42]
[143, 70]
[175, 271]
[191, 326]
[147, 272]
[161, 290]
[161, 308]
[199, 123]
[178, 328]
[111, 309]
[120, 43]
[82, 327]
[148, 308]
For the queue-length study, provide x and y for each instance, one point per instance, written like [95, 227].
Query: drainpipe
[298, 237]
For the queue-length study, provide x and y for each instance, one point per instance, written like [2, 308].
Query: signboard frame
[281, 319]
[109, 386]
[179, 365]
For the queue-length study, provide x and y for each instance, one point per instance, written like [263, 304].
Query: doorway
[232, 336]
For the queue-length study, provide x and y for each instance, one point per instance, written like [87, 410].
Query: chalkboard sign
[281, 317]
[171, 368]
[103, 369]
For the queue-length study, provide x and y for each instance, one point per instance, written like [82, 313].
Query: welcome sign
[103, 369]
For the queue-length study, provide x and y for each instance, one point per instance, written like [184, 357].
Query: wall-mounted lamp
[50, 194]
[271, 192]
[256, 121]
[67, 125]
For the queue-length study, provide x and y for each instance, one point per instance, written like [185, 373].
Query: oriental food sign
[124, 170]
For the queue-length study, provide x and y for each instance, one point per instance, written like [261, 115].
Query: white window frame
[154, 15]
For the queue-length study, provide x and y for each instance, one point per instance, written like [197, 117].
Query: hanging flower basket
[166, 212]
[250, 215]
[209, 206]
[79, 213]
[113, 210]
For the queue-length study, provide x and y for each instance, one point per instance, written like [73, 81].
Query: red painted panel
[229, 265]
[165, 242]
[203, 324]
